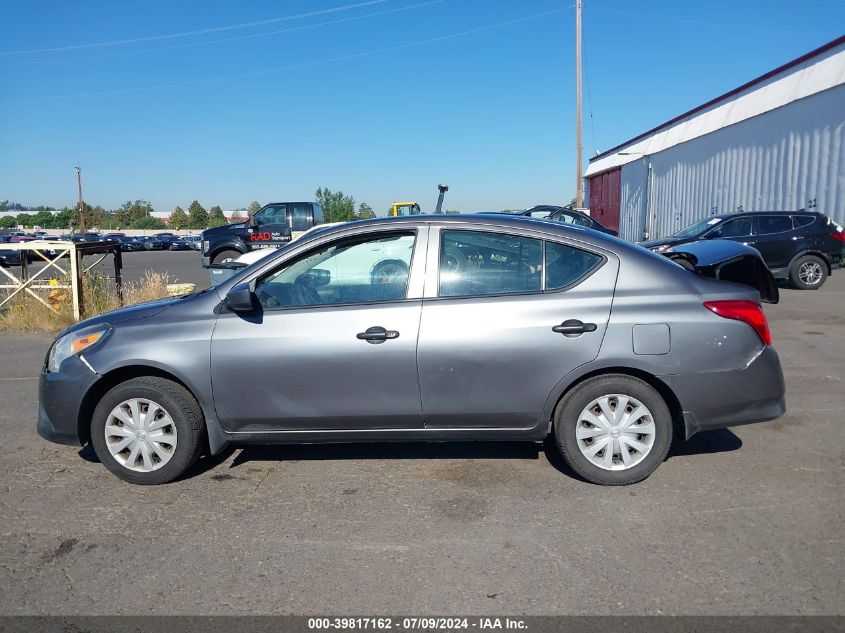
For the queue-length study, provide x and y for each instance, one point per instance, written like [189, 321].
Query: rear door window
[477, 263]
[769, 224]
[300, 216]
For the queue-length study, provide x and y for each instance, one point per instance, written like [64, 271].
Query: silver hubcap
[140, 435]
[615, 432]
[810, 273]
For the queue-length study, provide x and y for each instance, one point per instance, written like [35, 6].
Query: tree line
[337, 207]
[130, 215]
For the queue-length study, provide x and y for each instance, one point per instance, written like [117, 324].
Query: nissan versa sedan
[413, 328]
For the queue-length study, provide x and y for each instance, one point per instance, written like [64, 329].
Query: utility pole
[80, 204]
[579, 191]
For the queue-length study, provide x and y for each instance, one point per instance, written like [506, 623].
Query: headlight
[661, 248]
[73, 343]
[205, 246]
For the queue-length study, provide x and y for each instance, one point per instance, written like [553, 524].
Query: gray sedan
[423, 328]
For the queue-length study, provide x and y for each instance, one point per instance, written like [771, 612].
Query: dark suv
[802, 246]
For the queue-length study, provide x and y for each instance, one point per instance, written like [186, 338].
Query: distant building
[776, 143]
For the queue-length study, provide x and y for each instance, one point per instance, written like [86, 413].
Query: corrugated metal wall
[790, 158]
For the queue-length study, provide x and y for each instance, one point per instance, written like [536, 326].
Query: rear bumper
[716, 400]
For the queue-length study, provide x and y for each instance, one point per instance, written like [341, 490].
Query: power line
[330, 60]
[217, 29]
[231, 39]
[590, 98]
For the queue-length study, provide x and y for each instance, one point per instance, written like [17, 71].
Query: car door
[333, 344]
[505, 318]
[775, 238]
[269, 227]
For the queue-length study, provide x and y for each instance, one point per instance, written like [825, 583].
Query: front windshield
[698, 228]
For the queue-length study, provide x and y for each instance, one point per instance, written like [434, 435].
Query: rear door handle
[574, 327]
[377, 334]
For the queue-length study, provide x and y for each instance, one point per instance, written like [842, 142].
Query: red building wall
[605, 190]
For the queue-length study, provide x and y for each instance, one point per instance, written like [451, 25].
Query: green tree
[197, 216]
[365, 212]
[8, 222]
[131, 211]
[148, 222]
[178, 219]
[237, 216]
[216, 217]
[253, 208]
[337, 206]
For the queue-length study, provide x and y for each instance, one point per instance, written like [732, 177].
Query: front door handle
[574, 327]
[377, 334]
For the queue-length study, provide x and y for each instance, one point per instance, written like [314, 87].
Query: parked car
[500, 328]
[86, 237]
[568, 215]
[9, 257]
[801, 246]
[127, 244]
[193, 240]
[153, 243]
[180, 244]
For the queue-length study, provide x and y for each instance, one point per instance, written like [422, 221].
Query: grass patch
[26, 314]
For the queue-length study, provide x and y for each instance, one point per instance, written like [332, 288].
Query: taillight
[839, 236]
[746, 311]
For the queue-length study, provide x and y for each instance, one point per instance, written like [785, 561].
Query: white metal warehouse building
[776, 143]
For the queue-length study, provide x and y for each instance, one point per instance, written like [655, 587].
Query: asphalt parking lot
[747, 521]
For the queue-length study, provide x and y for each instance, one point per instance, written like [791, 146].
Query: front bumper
[716, 400]
[60, 397]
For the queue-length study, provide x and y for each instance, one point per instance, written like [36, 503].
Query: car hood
[129, 313]
[664, 241]
[224, 229]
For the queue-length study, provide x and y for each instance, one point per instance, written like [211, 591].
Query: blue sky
[383, 100]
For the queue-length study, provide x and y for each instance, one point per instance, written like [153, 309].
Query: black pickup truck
[273, 225]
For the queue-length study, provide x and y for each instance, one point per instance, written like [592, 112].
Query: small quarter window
[803, 220]
[566, 265]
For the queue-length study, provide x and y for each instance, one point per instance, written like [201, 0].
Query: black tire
[183, 410]
[224, 255]
[573, 403]
[808, 272]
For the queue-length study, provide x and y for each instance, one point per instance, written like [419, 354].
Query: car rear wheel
[613, 430]
[808, 272]
[147, 430]
[227, 255]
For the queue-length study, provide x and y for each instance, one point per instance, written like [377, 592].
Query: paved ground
[741, 522]
[182, 266]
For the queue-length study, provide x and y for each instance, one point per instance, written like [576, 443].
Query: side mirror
[240, 298]
[317, 277]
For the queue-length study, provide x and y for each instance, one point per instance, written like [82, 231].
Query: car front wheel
[147, 430]
[613, 430]
[227, 255]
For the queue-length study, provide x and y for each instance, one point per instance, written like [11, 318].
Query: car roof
[503, 220]
[736, 214]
